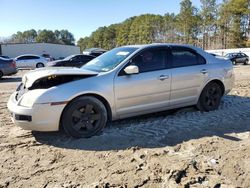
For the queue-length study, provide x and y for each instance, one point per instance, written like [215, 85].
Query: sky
[80, 17]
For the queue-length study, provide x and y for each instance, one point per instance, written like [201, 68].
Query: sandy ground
[180, 148]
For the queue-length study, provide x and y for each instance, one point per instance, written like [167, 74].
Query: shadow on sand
[162, 129]
[7, 79]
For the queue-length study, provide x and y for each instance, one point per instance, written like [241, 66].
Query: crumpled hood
[30, 77]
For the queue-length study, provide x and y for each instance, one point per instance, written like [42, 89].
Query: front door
[147, 91]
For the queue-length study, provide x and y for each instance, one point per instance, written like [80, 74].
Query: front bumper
[44, 117]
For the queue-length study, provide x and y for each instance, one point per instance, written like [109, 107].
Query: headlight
[27, 101]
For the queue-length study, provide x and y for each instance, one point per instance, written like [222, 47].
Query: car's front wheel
[84, 117]
[246, 62]
[210, 97]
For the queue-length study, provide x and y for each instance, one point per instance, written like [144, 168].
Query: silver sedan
[124, 82]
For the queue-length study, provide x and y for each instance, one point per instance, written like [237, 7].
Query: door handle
[204, 71]
[163, 77]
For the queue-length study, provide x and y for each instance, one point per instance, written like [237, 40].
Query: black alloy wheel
[84, 117]
[210, 97]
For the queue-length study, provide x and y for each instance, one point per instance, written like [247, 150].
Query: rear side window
[27, 57]
[82, 58]
[76, 58]
[183, 57]
[32, 57]
[22, 58]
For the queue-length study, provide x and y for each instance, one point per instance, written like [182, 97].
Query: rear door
[31, 61]
[21, 62]
[147, 91]
[189, 73]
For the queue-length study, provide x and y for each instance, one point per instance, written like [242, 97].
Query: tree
[24, 37]
[46, 36]
[187, 21]
[30, 36]
[213, 26]
[170, 33]
[233, 22]
[64, 37]
[123, 31]
[208, 16]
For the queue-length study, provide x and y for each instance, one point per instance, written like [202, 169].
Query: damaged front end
[48, 82]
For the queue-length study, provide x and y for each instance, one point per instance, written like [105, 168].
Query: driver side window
[150, 60]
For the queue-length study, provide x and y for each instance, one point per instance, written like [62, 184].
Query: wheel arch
[1, 73]
[219, 82]
[99, 97]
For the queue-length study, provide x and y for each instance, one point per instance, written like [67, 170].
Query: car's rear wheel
[39, 65]
[234, 62]
[1, 74]
[84, 117]
[210, 97]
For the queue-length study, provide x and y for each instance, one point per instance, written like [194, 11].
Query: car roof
[28, 55]
[95, 50]
[82, 55]
[162, 45]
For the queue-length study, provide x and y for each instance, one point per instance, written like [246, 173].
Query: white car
[30, 61]
[124, 82]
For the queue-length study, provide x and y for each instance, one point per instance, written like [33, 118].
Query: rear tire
[84, 117]
[39, 65]
[210, 97]
[234, 62]
[1, 74]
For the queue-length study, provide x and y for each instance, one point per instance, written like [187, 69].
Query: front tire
[246, 62]
[210, 97]
[1, 74]
[84, 117]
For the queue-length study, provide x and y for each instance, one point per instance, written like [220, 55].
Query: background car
[124, 82]
[238, 58]
[4, 56]
[48, 57]
[213, 54]
[94, 51]
[71, 61]
[30, 61]
[7, 67]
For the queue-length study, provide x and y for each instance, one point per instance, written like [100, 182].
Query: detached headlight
[27, 101]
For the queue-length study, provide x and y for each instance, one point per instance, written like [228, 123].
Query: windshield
[109, 60]
[69, 57]
[229, 55]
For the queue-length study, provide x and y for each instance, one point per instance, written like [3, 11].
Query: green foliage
[57, 37]
[25, 37]
[226, 25]
[234, 23]
[188, 21]
[46, 36]
[213, 26]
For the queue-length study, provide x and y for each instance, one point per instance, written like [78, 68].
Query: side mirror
[131, 69]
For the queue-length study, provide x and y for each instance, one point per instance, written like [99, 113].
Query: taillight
[13, 64]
